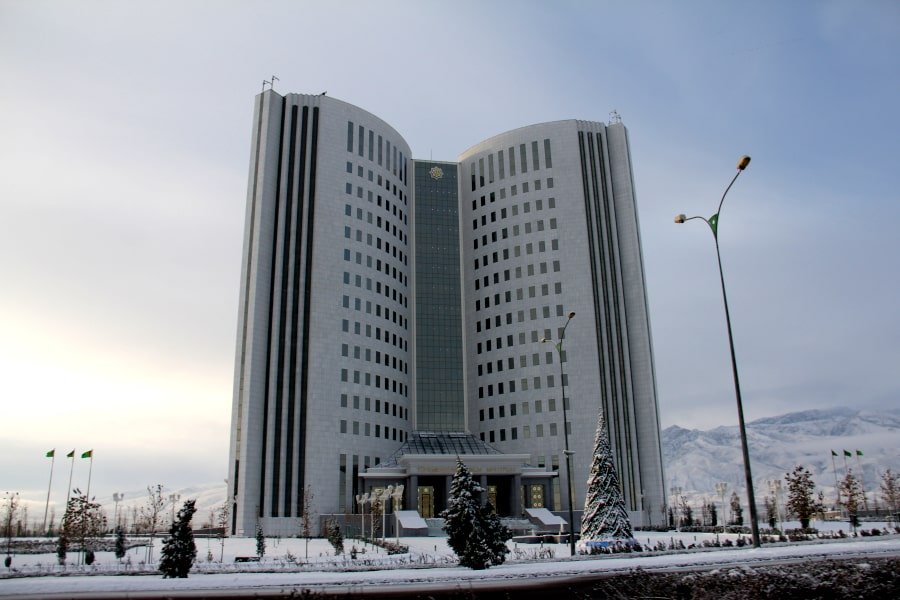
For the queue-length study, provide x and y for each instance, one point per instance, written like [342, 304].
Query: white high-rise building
[391, 312]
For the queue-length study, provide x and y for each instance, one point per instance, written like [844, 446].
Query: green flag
[833, 453]
[88, 454]
[859, 453]
[71, 454]
[51, 453]
[714, 224]
[847, 453]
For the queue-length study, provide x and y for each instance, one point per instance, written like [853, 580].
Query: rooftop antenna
[265, 82]
[274, 79]
[614, 117]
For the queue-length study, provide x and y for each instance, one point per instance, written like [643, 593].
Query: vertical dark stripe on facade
[307, 299]
[284, 300]
[265, 423]
[290, 449]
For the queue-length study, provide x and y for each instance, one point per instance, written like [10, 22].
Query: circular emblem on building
[436, 172]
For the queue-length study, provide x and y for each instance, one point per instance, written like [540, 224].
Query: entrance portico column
[482, 481]
[412, 493]
[517, 495]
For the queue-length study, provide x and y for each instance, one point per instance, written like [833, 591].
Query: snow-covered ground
[322, 570]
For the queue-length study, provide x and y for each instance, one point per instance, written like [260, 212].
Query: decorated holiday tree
[604, 518]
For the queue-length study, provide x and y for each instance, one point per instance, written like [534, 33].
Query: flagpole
[71, 469]
[837, 489]
[90, 470]
[862, 481]
[49, 485]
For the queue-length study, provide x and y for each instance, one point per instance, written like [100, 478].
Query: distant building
[391, 312]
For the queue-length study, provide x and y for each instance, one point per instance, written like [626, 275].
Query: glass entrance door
[426, 501]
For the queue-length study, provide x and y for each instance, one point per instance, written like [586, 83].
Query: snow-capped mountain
[695, 460]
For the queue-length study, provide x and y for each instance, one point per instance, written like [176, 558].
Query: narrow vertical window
[523, 158]
[535, 159]
[362, 139]
[500, 163]
[512, 161]
[548, 159]
[371, 143]
[380, 148]
[490, 168]
[349, 136]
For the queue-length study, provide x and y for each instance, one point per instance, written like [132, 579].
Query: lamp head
[544, 340]
[743, 162]
[571, 314]
[680, 218]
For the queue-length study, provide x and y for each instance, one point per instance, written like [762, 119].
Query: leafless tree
[307, 516]
[222, 522]
[151, 514]
[10, 511]
[83, 523]
[890, 492]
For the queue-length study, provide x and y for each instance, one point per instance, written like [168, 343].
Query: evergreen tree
[62, 547]
[179, 550]
[771, 511]
[335, 537]
[260, 542]
[120, 543]
[474, 532]
[604, 516]
[737, 511]
[801, 499]
[851, 497]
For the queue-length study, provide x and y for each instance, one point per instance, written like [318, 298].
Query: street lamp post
[362, 499]
[568, 453]
[713, 223]
[117, 497]
[721, 489]
[173, 498]
[676, 495]
[775, 489]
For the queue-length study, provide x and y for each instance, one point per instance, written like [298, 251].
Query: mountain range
[696, 460]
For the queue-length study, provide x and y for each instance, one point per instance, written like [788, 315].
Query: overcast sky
[124, 148]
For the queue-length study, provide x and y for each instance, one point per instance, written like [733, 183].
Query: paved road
[520, 580]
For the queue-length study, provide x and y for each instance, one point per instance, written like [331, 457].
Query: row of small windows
[490, 345]
[376, 430]
[520, 295]
[387, 155]
[383, 312]
[483, 176]
[386, 290]
[382, 335]
[488, 413]
[538, 225]
[392, 250]
[366, 403]
[388, 226]
[526, 432]
[502, 387]
[366, 354]
[514, 209]
[490, 198]
[488, 368]
[498, 255]
[533, 315]
[377, 381]
[377, 264]
[382, 181]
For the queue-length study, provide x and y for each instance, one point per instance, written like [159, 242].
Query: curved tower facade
[322, 369]
[548, 226]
